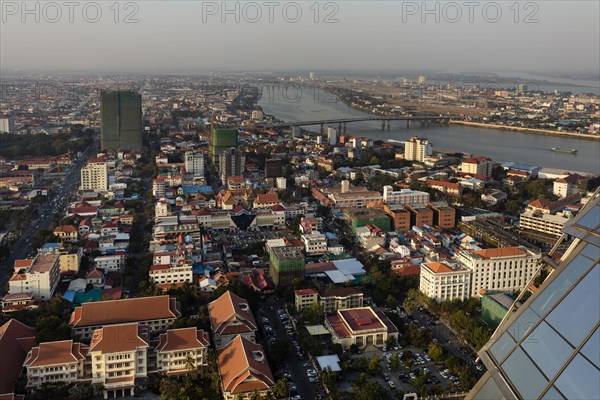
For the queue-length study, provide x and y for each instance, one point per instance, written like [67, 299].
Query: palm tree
[281, 389]
[190, 363]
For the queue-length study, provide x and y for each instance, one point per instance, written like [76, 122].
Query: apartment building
[356, 199]
[404, 196]
[94, 175]
[503, 269]
[444, 282]
[417, 149]
[53, 362]
[177, 346]
[315, 243]
[244, 370]
[330, 300]
[66, 233]
[304, 298]
[158, 313]
[118, 356]
[541, 222]
[336, 299]
[230, 316]
[481, 166]
[159, 187]
[194, 163]
[39, 276]
[443, 215]
[112, 262]
[166, 275]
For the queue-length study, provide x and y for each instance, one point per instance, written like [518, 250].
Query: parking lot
[299, 370]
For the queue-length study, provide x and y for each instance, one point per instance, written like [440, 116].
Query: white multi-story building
[477, 166]
[118, 354]
[159, 187]
[503, 269]
[112, 262]
[194, 162]
[39, 276]
[443, 282]
[94, 175]
[404, 196]
[7, 124]
[56, 362]
[171, 274]
[417, 149]
[315, 243]
[546, 223]
[331, 136]
[161, 209]
[177, 346]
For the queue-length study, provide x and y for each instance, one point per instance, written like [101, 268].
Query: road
[306, 389]
[57, 201]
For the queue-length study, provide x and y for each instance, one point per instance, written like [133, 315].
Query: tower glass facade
[221, 139]
[549, 348]
[120, 120]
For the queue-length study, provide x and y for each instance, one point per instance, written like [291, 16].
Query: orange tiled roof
[182, 339]
[231, 314]
[126, 310]
[243, 367]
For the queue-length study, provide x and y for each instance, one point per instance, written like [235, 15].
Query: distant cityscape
[166, 237]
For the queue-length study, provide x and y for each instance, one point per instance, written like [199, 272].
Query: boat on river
[559, 150]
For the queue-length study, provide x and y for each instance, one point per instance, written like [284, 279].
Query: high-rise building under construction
[120, 120]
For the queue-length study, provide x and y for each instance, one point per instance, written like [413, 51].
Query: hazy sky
[368, 35]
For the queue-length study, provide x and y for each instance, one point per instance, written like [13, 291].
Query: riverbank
[546, 132]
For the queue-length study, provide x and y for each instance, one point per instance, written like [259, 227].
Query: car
[427, 358]
[392, 385]
[412, 375]
[296, 397]
[479, 367]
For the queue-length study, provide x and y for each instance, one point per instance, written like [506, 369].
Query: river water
[500, 145]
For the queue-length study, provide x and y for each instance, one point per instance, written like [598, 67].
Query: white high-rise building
[422, 80]
[194, 162]
[332, 136]
[417, 149]
[7, 124]
[94, 175]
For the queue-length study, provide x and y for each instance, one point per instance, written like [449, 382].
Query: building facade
[39, 276]
[404, 196]
[94, 175]
[120, 120]
[286, 263]
[417, 149]
[502, 269]
[443, 282]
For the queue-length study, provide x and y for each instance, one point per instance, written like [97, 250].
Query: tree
[391, 301]
[436, 352]
[374, 366]
[368, 390]
[395, 361]
[281, 389]
[313, 314]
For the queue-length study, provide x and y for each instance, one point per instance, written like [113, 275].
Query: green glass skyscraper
[221, 139]
[120, 120]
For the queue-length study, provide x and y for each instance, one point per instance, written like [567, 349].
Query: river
[500, 145]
